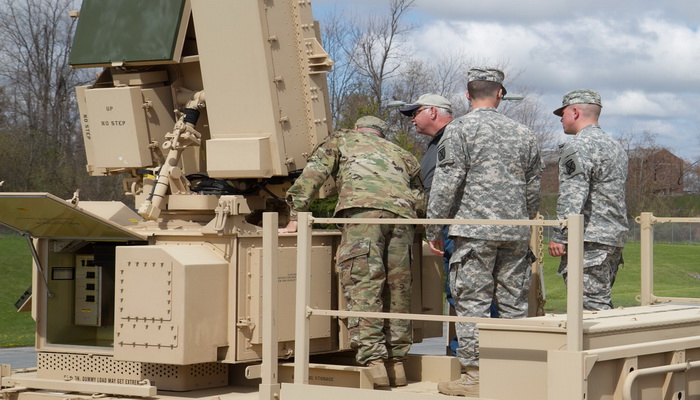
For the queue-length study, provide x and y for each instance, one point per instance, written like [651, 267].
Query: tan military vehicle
[209, 108]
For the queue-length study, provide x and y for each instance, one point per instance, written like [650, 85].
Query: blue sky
[643, 56]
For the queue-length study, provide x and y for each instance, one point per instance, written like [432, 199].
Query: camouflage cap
[580, 96]
[487, 74]
[373, 123]
[428, 99]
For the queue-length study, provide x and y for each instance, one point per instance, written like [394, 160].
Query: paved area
[25, 357]
[433, 346]
[19, 357]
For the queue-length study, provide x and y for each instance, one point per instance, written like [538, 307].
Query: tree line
[41, 144]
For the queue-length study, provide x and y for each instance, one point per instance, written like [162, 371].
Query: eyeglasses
[418, 111]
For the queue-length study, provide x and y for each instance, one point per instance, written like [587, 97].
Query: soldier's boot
[467, 385]
[396, 372]
[378, 373]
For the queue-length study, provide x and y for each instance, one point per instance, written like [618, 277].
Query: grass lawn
[16, 329]
[676, 266]
[676, 274]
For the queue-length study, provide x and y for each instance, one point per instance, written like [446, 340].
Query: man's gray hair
[444, 111]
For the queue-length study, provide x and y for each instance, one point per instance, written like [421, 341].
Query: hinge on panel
[223, 210]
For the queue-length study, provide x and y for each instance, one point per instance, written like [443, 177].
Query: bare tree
[692, 177]
[530, 112]
[35, 72]
[447, 75]
[371, 69]
[342, 80]
[37, 35]
[377, 52]
[40, 141]
[654, 174]
[367, 53]
[444, 75]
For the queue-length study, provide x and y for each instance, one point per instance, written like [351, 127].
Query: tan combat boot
[397, 375]
[378, 373]
[467, 385]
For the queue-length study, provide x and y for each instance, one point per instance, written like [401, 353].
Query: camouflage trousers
[600, 265]
[483, 271]
[374, 268]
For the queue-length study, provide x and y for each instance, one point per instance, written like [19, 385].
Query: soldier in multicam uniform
[488, 167]
[375, 179]
[592, 176]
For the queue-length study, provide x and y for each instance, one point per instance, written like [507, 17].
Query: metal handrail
[663, 220]
[646, 223]
[303, 312]
[664, 369]
[424, 221]
[269, 387]
[573, 325]
[431, 317]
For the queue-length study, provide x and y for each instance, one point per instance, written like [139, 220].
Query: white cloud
[613, 54]
[645, 68]
[647, 105]
[563, 11]
[643, 56]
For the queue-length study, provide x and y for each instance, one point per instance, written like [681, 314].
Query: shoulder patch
[570, 162]
[444, 153]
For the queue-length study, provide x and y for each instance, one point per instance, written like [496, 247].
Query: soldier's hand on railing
[290, 228]
[556, 249]
[436, 247]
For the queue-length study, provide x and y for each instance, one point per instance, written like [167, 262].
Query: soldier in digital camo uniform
[592, 175]
[375, 179]
[488, 167]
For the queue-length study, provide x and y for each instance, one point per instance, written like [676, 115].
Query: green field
[676, 274]
[676, 266]
[16, 329]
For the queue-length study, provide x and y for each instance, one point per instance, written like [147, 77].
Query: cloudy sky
[642, 56]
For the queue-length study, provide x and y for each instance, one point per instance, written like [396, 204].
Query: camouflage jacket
[592, 176]
[488, 167]
[369, 171]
